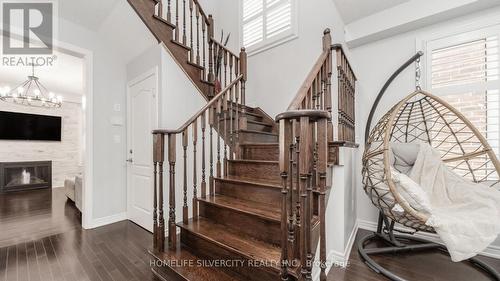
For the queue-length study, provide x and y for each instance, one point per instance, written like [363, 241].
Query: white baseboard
[491, 251]
[339, 258]
[108, 220]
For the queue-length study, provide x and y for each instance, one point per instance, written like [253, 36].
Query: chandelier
[31, 93]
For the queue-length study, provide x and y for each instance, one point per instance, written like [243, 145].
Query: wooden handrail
[200, 112]
[224, 47]
[306, 85]
[202, 12]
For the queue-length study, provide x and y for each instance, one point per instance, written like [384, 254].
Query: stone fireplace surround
[18, 176]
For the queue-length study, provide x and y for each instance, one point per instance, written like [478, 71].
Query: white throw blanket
[465, 215]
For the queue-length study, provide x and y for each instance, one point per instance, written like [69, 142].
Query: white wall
[112, 47]
[65, 154]
[275, 75]
[376, 61]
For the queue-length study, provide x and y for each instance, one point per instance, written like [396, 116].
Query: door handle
[130, 160]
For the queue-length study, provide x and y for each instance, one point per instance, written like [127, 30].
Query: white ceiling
[352, 10]
[88, 13]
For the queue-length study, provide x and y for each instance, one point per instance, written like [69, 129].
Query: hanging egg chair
[418, 118]
[424, 118]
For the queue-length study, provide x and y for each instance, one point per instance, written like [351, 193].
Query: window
[464, 70]
[267, 22]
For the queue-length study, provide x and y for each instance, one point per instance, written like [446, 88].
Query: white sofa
[73, 190]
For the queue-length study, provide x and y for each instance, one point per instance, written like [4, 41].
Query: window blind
[265, 19]
[467, 76]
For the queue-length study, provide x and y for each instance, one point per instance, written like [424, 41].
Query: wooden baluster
[172, 234]
[177, 29]
[237, 118]
[211, 120]
[311, 151]
[231, 120]
[225, 114]
[160, 8]
[291, 209]
[224, 58]
[219, 116]
[284, 145]
[184, 37]
[322, 166]
[169, 13]
[155, 197]
[303, 159]
[191, 53]
[158, 157]
[298, 210]
[203, 157]
[238, 107]
[203, 29]
[313, 94]
[328, 96]
[210, 34]
[195, 169]
[197, 35]
[185, 215]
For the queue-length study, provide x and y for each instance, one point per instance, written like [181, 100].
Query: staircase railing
[194, 29]
[346, 97]
[223, 113]
[315, 91]
[303, 163]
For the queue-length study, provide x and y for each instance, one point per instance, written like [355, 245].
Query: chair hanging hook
[418, 74]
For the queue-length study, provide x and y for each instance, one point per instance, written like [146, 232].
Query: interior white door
[142, 119]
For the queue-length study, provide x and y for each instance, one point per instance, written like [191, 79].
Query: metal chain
[418, 75]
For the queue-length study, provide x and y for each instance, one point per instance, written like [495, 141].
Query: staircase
[258, 187]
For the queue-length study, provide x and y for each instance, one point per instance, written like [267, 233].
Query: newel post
[211, 59]
[327, 47]
[244, 73]
[285, 141]
[158, 222]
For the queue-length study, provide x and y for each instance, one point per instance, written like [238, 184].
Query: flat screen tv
[22, 126]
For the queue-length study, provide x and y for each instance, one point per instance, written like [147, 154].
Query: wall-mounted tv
[22, 126]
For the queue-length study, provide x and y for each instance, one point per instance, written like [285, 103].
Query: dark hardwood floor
[41, 240]
[421, 266]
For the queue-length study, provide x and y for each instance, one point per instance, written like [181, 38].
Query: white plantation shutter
[466, 74]
[266, 20]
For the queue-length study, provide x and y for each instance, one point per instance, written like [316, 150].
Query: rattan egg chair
[420, 118]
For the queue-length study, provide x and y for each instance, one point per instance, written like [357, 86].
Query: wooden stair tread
[255, 161]
[260, 144]
[180, 44]
[179, 257]
[164, 21]
[256, 181]
[232, 240]
[265, 211]
[258, 132]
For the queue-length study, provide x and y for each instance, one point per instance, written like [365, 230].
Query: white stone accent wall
[66, 156]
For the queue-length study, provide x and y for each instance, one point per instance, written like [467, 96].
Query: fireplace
[17, 176]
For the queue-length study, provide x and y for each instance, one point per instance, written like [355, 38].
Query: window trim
[275, 41]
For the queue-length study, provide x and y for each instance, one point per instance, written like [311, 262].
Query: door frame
[152, 72]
